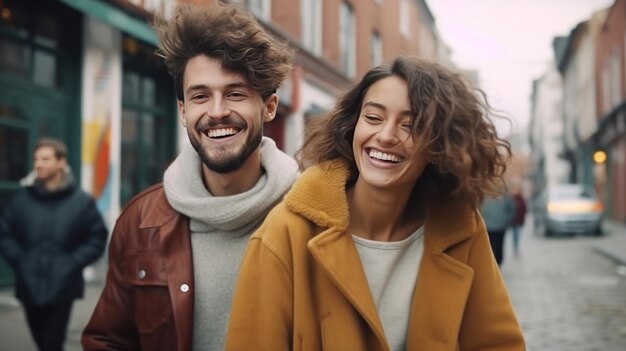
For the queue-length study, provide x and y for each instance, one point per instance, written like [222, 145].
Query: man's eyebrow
[227, 86]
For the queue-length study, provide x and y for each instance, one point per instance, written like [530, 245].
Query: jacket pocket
[145, 272]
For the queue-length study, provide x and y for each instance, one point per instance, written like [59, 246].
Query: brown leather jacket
[147, 301]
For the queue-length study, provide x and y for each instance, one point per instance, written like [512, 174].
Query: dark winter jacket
[48, 238]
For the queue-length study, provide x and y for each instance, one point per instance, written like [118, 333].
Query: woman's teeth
[384, 156]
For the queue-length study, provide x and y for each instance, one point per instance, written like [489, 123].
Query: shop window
[15, 58]
[44, 69]
[29, 45]
[148, 119]
[13, 147]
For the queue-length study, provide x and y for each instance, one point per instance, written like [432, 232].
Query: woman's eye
[372, 118]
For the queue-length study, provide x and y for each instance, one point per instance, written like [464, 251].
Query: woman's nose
[388, 133]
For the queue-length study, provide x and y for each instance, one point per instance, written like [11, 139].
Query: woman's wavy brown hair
[229, 34]
[453, 120]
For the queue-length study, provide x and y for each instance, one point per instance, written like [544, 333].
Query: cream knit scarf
[186, 193]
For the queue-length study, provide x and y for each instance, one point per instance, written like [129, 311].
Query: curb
[611, 254]
[613, 246]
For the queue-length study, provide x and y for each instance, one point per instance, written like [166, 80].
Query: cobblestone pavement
[567, 297]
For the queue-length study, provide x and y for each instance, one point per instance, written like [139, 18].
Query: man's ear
[181, 113]
[62, 163]
[271, 106]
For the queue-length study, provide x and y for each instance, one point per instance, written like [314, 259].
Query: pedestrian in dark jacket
[49, 232]
[498, 215]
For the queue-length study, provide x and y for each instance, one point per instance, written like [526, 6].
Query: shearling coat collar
[320, 196]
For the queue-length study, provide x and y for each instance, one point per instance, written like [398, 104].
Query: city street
[567, 296]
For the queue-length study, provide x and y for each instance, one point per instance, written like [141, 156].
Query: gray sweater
[220, 228]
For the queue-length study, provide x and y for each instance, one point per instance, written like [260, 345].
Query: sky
[509, 42]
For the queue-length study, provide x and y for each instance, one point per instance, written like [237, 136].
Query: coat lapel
[438, 303]
[335, 252]
[444, 283]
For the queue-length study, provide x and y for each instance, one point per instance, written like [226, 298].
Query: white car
[571, 209]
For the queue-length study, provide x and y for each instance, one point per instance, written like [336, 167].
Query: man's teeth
[216, 133]
[383, 156]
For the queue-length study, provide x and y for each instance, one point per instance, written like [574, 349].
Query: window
[624, 71]
[376, 49]
[405, 9]
[30, 46]
[13, 144]
[311, 15]
[261, 8]
[347, 40]
[616, 90]
[606, 86]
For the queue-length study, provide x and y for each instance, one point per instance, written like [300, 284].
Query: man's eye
[197, 97]
[236, 95]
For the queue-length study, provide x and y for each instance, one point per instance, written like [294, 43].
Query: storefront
[84, 71]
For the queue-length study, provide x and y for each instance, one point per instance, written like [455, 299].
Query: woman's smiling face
[386, 152]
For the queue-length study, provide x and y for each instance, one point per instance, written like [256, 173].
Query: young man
[49, 232]
[176, 248]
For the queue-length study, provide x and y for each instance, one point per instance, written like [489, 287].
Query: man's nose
[219, 108]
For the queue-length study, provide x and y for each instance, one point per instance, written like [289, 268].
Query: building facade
[85, 71]
[611, 109]
[592, 66]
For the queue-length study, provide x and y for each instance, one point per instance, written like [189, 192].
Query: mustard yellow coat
[302, 287]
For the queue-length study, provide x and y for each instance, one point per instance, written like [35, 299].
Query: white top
[391, 269]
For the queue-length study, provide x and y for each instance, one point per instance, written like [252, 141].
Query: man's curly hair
[228, 33]
[453, 121]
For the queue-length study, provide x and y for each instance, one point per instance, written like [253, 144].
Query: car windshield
[571, 192]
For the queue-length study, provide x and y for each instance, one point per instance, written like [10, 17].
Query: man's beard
[230, 162]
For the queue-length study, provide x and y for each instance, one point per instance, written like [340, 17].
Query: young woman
[379, 245]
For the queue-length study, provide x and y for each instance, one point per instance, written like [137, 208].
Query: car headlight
[574, 207]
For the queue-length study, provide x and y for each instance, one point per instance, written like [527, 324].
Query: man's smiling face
[224, 117]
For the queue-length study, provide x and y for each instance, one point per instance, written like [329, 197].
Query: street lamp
[599, 157]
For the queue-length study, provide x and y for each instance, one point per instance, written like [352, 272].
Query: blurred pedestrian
[49, 231]
[498, 214]
[379, 244]
[518, 219]
[176, 248]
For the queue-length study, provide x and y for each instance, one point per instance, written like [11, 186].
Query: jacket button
[184, 288]
[141, 274]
